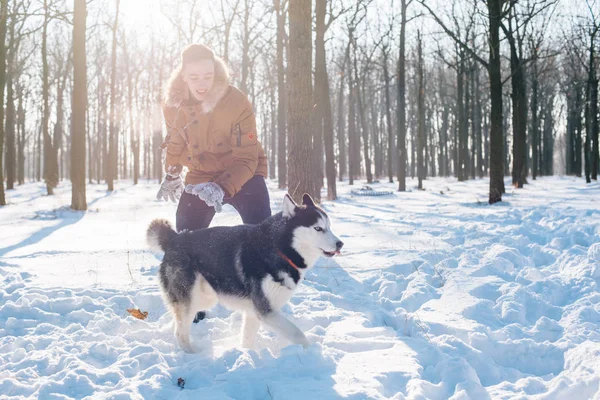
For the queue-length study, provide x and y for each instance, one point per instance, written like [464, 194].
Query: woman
[211, 130]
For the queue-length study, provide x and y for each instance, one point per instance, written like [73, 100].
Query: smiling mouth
[200, 91]
[330, 254]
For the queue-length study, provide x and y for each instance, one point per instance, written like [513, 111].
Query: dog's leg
[250, 329]
[183, 323]
[281, 325]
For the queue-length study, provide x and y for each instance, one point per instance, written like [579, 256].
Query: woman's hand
[170, 188]
[211, 193]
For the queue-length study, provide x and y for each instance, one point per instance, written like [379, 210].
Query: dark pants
[252, 202]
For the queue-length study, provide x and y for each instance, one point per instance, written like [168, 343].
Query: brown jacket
[215, 139]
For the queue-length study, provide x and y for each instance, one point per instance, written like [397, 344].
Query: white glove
[209, 192]
[170, 188]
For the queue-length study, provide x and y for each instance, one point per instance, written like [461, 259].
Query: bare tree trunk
[496, 135]
[38, 172]
[401, 107]
[430, 148]
[113, 142]
[78, 106]
[462, 103]
[21, 139]
[475, 118]
[323, 103]
[10, 130]
[445, 127]
[50, 161]
[535, 123]
[578, 129]
[273, 132]
[376, 126]
[591, 136]
[388, 115]
[300, 100]
[352, 134]
[281, 99]
[90, 145]
[421, 140]
[341, 118]
[486, 142]
[519, 117]
[3, 21]
[59, 125]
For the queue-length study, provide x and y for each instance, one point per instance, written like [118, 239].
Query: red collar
[286, 258]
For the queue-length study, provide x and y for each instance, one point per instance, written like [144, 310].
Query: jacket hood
[177, 92]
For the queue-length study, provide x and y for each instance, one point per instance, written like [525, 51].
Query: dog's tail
[159, 235]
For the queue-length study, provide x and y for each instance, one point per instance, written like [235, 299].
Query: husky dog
[250, 268]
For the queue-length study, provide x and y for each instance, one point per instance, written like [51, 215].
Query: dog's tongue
[337, 252]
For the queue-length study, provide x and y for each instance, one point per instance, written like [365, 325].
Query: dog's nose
[339, 244]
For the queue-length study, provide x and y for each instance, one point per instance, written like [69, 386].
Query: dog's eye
[318, 229]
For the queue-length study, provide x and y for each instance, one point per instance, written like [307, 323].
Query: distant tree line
[342, 90]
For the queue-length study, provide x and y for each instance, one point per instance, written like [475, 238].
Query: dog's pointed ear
[289, 206]
[307, 200]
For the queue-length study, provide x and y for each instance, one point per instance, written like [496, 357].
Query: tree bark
[3, 21]
[535, 123]
[591, 137]
[10, 129]
[401, 107]
[50, 159]
[421, 140]
[281, 99]
[353, 162]
[21, 138]
[78, 106]
[519, 116]
[496, 136]
[113, 143]
[388, 116]
[300, 100]
[323, 103]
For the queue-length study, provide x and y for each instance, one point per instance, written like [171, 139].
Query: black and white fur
[254, 269]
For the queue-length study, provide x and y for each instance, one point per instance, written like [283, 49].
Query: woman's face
[199, 76]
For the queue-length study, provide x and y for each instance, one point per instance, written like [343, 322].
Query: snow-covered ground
[437, 295]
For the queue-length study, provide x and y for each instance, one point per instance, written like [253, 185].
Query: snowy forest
[394, 89]
[449, 248]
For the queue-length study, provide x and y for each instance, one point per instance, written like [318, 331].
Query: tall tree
[112, 120]
[323, 101]
[281, 96]
[300, 170]
[421, 140]
[3, 23]
[591, 100]
[401, 107]
[388, 112]
[496, 133]
[50, 148]
[78, 107]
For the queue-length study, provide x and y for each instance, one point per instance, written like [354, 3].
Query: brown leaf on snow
[136, 312]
